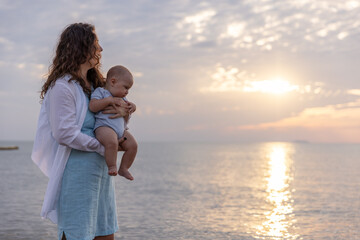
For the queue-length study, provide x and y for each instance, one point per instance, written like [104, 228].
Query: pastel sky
[250, 70]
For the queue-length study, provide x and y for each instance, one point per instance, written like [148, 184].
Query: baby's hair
[118, 72]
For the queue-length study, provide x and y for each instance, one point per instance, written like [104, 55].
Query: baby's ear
[113, 81]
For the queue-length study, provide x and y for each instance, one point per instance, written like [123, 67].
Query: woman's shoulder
[64, 79]
[64, 84]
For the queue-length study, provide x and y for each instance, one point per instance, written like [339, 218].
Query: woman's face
[96, 59]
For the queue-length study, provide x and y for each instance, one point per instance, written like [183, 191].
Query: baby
[109, 130]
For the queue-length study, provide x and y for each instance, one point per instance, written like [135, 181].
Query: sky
[219, 71]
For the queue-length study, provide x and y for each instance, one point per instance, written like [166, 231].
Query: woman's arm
[63, 121]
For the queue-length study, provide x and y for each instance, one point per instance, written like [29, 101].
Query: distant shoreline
[9, 148]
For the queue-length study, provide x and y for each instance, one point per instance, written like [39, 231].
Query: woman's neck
[83, 73]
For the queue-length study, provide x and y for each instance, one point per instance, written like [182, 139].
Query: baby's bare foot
[112, 171]
[126, 174]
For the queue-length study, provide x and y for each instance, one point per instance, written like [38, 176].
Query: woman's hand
[115, 101]
[132, 107]
[119, 108]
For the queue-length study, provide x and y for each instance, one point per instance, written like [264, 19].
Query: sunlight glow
[231, 79]
[276, 181]
[276, 86]
[280, 218]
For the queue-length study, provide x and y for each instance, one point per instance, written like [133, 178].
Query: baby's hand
[132, 107]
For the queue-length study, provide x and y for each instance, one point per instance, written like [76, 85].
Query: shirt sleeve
[62, 118]
[97, 94]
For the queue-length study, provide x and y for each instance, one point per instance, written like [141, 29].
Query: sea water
[274, 190]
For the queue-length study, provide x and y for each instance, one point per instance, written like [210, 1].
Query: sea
[270, 190]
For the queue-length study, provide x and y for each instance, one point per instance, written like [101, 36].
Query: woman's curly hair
[76, 46]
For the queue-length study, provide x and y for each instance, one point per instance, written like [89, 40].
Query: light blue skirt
[87, 206]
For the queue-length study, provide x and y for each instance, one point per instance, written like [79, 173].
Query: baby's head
[118, 81]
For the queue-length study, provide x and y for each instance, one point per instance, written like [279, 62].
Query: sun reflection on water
[280, 217]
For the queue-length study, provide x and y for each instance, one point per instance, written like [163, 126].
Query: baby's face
[121, 87]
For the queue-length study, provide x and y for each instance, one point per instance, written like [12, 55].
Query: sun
[273, 86]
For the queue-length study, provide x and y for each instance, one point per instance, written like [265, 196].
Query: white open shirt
[62, 115]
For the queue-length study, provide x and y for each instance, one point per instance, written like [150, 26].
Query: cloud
[198, 66]
[198, 21]
[6, 44]
[194, 26]
[235, 30]
[339, 116]
[274, 24]
[331, 123]
[355, 92]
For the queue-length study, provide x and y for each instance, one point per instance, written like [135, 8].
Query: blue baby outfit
[87, 206]
[117, 124]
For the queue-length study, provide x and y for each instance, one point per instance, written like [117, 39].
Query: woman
[80, 194]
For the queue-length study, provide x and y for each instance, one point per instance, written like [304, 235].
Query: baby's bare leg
[109, 139]
[130, 147]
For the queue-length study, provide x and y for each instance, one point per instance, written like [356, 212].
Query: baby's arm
[97, 105]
